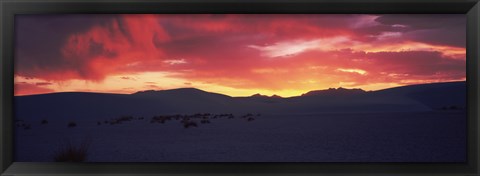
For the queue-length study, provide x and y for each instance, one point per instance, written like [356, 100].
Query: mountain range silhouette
[412, 98]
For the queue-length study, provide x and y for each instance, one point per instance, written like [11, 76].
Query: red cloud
[243, 51]
[23, 88]
[104, 49]
[380, 67]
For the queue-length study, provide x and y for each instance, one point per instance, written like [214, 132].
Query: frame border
[8, 9]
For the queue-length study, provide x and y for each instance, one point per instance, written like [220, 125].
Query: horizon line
[116, 93]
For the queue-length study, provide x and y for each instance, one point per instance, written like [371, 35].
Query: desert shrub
[247, 115]
[189, 124]
[125, 118]
[68, 152]
[71, 124]
[453, 107]
[250, 119]
[43, 122]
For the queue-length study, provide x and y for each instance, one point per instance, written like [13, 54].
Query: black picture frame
[9, 8]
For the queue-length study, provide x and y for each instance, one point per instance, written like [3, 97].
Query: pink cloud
[250, 51]
[23, 88]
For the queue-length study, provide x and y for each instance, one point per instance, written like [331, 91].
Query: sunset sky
[236, 55]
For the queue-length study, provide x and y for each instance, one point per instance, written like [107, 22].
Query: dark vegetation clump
[187, 120]
[68, 152]
[119, 120]
[247, 116]
[452, 107]
[71, 124]
[125, 118]
[189, 124]
[43, 122]
[161, 119]
[23, 124]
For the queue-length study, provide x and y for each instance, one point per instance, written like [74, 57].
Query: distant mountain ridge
[334, 92]
[423, 97]
[260, 95]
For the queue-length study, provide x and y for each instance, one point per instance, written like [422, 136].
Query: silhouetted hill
[424, 97]
[257, 99]
[183, 94]
[259, 95]
[276, 96]
[265, 96]
[334, 92]
[94, 105]
[435, 95]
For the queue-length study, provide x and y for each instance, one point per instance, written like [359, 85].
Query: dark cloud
[453, 36]
[127, 78]
[43, 83]
[424, 21]
[446, 29]
[89, 47]
[39, 39]
[154, 87]
[401, 66]
[418, 63]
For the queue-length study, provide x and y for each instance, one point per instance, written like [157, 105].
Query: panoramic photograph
[240, 88]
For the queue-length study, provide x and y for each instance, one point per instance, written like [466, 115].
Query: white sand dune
[405, 124]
